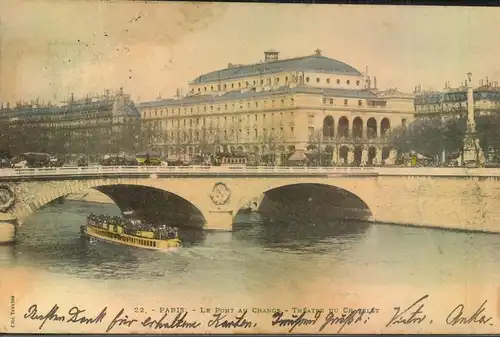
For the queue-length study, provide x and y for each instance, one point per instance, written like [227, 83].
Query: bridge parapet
[441, 197]
[179, 170]
[53, 173]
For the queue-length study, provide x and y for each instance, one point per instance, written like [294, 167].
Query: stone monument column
[473, 154]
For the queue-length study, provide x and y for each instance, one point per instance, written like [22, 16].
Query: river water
[264, 265]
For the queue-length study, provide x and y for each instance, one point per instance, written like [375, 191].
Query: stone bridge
[454, 198]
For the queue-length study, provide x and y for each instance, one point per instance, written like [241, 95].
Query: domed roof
[315, 63]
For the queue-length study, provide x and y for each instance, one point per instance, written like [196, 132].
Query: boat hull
[102, 235]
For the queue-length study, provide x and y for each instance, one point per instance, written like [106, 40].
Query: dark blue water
[262, 253]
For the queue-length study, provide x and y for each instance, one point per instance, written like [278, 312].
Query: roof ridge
[312, 62]
[237, 65]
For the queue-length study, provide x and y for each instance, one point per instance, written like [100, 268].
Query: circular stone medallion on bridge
[220, 194]
[7, 197]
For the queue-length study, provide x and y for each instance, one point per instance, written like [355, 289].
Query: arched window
[343, 128]
[328, 126]
[357, 127]
[385, 126]
[371, 128]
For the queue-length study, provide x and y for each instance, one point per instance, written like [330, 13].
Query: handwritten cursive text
[50, 316]
[295, 321]
[456, 316]
[411, 315]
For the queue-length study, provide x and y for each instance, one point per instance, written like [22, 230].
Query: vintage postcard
[172, 167]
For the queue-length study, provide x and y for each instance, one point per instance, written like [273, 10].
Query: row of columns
[332, 129]
[346, 154]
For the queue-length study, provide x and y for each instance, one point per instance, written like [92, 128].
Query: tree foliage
[488, 127]
[430, 136]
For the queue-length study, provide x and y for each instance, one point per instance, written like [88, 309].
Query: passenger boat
[130, 232]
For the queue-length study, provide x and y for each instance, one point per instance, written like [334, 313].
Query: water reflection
[257, 255]
[297, 234]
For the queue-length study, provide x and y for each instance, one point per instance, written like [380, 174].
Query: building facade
[272, 109]
[452, 101]
[450, 107]
[93, 126]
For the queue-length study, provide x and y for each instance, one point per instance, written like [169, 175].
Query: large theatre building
[272, 109]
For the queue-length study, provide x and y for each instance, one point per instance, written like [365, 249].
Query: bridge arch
[105, 186]
[340, 187]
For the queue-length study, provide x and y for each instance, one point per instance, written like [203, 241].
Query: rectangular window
[311, 131]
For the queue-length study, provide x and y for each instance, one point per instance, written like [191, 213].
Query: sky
[52, 48]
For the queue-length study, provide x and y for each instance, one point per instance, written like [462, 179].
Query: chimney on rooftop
[271, 55]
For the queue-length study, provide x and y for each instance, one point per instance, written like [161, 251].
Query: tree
[203, 141]
[317, 146]
[487, 127]
[430, 136]
[272, 142]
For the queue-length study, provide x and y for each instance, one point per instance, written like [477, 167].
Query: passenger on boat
[133, 226]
